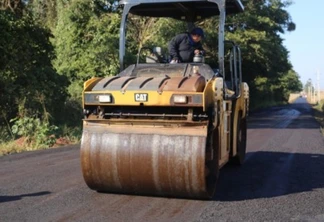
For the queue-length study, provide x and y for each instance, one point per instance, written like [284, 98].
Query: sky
[306, 43]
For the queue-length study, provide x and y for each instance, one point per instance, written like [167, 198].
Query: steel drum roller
[145, 160]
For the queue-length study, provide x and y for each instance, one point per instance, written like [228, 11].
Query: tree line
[48, 48]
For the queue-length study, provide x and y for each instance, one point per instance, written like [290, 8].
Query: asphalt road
[281, 180]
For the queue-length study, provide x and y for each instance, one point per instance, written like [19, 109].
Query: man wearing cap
[184, 46]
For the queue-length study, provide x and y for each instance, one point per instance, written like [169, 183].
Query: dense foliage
[86, 42]
[29, 84]
[48, 48]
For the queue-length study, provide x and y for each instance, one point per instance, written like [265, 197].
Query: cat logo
[141, 97]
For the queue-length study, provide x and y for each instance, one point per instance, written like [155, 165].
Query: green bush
[69, 133]
[39, 134]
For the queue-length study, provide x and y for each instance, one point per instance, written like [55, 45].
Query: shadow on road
[271, 174]
[19, 197]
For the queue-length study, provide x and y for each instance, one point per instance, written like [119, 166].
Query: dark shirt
[182, 47]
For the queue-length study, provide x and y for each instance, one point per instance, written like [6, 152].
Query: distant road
[282, 180]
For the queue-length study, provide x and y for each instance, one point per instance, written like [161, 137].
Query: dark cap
[198, 31]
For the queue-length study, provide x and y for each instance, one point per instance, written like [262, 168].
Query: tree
[265, 58]
[266, 67]
[86, 42]
[28, 82]
[15, 6]
[44, 12]
[86, 37]
[309, 87]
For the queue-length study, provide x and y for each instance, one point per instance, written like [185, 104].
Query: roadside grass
[319, 114]
[11, 147]
[65, 136]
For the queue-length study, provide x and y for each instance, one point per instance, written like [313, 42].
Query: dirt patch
[62, 141]
[21, 141]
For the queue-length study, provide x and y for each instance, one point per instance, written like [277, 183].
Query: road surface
[281, 180]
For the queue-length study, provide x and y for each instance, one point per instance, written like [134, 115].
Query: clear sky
[306, 43]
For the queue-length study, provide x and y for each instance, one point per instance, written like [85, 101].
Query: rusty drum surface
[166, 161]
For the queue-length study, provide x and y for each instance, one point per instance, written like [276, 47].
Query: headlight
[104, 98]
[180, 99]
[93, 98]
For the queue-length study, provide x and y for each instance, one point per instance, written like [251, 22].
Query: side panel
[222, 122]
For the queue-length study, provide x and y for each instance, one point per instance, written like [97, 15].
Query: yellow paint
[128, 98]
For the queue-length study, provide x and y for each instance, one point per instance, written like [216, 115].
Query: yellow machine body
[129, 146]
[166, 129]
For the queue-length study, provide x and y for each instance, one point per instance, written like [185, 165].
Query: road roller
[163, 129]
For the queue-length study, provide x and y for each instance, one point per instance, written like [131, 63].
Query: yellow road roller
[165, 129]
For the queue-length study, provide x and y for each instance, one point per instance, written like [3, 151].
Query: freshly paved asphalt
[281, 180]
